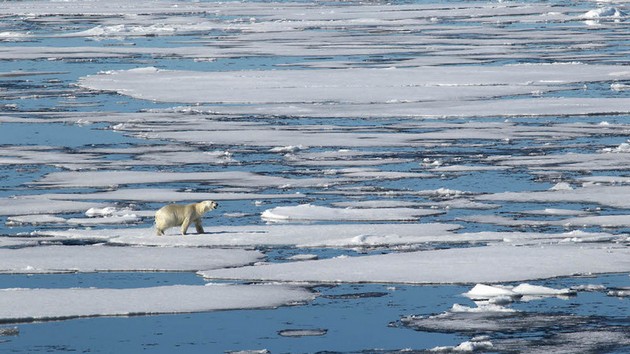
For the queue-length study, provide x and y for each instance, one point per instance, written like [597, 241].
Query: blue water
[355, 317]
[350, 327]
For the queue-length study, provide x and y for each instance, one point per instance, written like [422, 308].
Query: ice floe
[467, 265]
[356, 86]
[489, 292]
[29, 205]
[115, 178]
[309, 212]
[25, 305]
[302, 332]
[55, 259]
[625, 292]
[341, 235]
[613, 196]
[34, 220]
[491, 321]
[464, 347]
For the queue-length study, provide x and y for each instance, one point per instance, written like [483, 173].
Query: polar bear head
[207, 205]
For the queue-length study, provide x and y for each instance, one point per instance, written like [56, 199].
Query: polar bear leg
[160, 224]
[198, 226]
[185, 225]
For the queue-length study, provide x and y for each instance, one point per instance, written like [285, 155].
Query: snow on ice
[55, 259]
[309, 212]
[468, 265]
[26, 305]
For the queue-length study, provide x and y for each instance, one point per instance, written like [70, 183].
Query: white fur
[176, 214]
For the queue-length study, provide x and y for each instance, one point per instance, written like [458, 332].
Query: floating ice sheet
[223, 178]
[28, 205]
[309, 212]
[491, 321]
[614, 196]
[154, 195]
[342, 235]
[462, 265]
[23, 305]
[522, 107]
[356, 86]
[54, 259]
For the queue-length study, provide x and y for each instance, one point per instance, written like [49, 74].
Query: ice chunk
[107, 211]
[537, 290]
[9, 331]
[303, 257]
[464, 347]
[302, 332]
[561, 186]
[604, 12]
[286, 149]
[623, 292]
[482, 291]
[483, 308]
[555, 212]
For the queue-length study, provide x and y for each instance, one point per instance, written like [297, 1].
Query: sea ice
[462, 265]
[302, 332]
[355, 86]
[487, 292]
[29, 205]
[482, 291]
[340, 235]
[309, 212]
[34, 220]
[613, 196]
[477, 322]
[604, 12]
[54, 259]
[467, 346]
[22, 305]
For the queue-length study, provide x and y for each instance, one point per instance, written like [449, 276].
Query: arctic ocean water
[58, 123]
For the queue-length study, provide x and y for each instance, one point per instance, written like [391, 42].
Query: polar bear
[177, 214]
